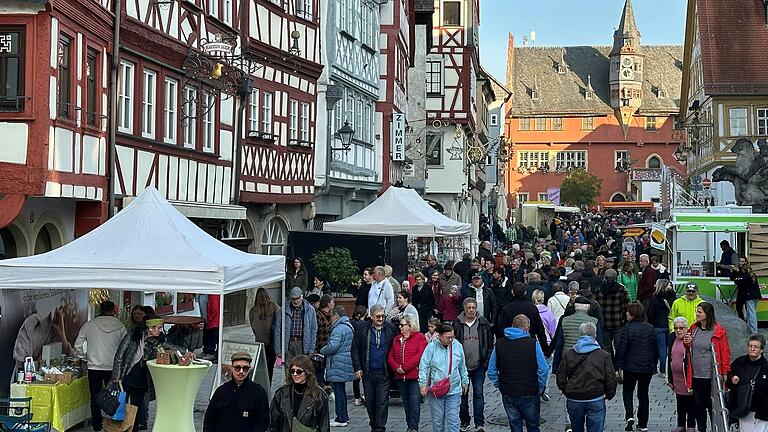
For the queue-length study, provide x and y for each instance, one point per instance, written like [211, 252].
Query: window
[226, 13]
[11, 70]
[367, 123]
[434, 77]
[738, 121]
[543, 196]
[213, 7]
[343, 14]
[569, 160]
[587, 123]
[125, 98]
[148, 104]
[308, 10]
[522, 159]
[359, 122]
[540, 123]
[524, 124]
[557, 123]
[452, 13]
[650, 123]
[619, 158]
[305, 122]
[63, 98]
[190, 116]
[762, 121]
[274, 237]
[522, 198]
[293, 123]
[494, 120]
[209, 123]
[91, 68]
[266, 117]
[253, 111]
[169, 110]
[364, 24]
[435, 156]
[654, 162]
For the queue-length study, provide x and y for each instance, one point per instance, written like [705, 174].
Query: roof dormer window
[535, 95]
[661, 92]
[562, 67]
[589, 92]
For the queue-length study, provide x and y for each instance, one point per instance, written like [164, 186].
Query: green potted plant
[338, 266]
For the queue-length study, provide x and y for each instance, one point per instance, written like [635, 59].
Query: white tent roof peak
[148, 246]
[400, 211]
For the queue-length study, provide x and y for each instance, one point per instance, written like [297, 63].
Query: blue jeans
[661, 341]
[477, 378]
[593, 413]
[750, 310]
[340, 396]
[445, 412]
[410, 394]
[524, 408]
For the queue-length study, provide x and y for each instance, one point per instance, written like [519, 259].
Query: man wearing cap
[300, 328]
[568, 329]
[686, 305]
[239, 404]
[484, 297]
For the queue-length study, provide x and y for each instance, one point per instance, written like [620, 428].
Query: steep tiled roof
[734, 42]
[564, 93]
[627, 29]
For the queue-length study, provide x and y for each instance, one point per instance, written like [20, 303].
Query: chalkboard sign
[259, 372]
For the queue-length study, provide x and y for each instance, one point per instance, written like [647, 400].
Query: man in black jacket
[484, 298]
[521, 305]
[463, 267]
[239, 404]
[474, 333]
[370, 344]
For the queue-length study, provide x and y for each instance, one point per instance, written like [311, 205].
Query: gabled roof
[564, 93]
[734, 42]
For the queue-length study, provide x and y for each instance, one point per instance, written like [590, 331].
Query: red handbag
[443, 386]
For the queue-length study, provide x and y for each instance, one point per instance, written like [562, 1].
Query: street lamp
[345, 134]
[680, 155]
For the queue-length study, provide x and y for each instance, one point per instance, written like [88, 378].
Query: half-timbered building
[53, 105]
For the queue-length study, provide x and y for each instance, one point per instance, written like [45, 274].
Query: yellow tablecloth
[63, 405]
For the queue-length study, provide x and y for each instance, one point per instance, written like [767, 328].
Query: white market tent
[400, 211]
[148, 246]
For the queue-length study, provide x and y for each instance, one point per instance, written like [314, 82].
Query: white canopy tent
[400, 211]
[147, 246]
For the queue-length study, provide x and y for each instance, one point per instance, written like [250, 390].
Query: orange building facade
[610, 110]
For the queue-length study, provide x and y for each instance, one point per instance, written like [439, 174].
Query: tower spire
[626, 38]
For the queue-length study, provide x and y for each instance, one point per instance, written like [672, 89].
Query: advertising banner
[398, 137]
[553, 195]
[658, 237]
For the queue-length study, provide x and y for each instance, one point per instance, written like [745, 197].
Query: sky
[572, 22]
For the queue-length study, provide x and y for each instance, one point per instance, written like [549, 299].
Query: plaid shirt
[614, 306]
[297, 322]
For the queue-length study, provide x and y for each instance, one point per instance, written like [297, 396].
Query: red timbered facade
[53, 102]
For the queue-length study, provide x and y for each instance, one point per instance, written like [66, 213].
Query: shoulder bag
[443, 386]
[108, 399]
[741, 398]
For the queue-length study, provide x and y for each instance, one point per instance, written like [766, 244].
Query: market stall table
[175, 388]
[62, 405]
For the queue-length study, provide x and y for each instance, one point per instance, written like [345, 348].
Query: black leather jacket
[127, 350]
[313, 415]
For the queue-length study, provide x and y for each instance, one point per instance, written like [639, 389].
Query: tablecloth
[63, 405]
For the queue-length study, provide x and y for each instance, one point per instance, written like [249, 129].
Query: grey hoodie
[98, 341]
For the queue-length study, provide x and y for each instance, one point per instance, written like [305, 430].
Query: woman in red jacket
[704, 335]
[404, 358]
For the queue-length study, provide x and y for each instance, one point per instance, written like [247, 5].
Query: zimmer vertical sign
[398, 137]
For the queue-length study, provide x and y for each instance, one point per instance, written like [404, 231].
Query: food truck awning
[697, 222]
[627, 205]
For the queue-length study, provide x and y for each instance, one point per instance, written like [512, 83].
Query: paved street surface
[662, 418]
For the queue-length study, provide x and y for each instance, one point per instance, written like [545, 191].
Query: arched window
[618, 197]
[7, 244]
[47, 239]
[274, 237]
[654, 162]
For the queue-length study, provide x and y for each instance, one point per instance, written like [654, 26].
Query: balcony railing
[646, 174]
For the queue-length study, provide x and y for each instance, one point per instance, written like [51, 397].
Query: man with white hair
[568, 329]
[381, 290]
[646, 280]
[587, 378]
[396, 286]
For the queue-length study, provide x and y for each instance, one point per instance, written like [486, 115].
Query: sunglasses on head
[241, 368]
[296, 371]
[402, 324]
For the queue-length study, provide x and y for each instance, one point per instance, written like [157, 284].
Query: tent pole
[219, 352]
[282, 323]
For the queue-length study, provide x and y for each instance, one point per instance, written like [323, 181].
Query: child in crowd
[432, 327]
[357, 318]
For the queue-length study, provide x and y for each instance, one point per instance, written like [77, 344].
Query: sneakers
[480, 429]
[331, 397]
[568, 427]
[464, 428]
[545, 397]
[359, 402]
[338, 424]
[629, 425]
[642, 429]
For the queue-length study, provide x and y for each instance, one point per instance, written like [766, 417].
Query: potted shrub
[337, 265]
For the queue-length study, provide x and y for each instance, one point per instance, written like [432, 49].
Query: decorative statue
[749, 175]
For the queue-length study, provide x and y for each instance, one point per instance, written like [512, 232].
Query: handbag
[443, 386]
[108, 399]
[297, 426]
[740, 399]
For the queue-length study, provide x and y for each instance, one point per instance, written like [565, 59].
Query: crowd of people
[582, 308]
